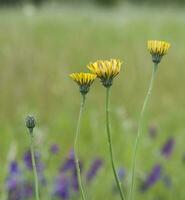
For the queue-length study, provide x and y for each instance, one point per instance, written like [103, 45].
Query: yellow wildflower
[106, 70]
[84, 80]
[158, 49]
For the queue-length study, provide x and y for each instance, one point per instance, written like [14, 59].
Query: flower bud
[30, 122]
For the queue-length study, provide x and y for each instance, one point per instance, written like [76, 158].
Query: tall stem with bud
[30, 123]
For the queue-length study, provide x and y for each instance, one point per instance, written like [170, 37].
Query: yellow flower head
[158, 49]
[106, 70]
[84, 80]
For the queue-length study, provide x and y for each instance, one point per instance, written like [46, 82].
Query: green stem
[76, 147]
[34, 166]
[140, 123]
[110, 145]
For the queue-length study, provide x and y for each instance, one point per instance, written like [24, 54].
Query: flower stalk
[118, 183]
[76, 147]
[157, 50]
[140, 124]
[84, 81]
[30, 123]
[106, 71]
[34, 166]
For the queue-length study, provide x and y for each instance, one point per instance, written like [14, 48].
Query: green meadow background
[40, 47]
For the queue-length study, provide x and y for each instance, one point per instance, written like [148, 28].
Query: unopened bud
[30, 122]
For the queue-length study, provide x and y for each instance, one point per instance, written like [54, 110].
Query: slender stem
[76, 148]
[140, 123]
[34, 166]
[110, 146]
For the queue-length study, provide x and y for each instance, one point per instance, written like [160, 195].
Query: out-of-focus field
[40, 47]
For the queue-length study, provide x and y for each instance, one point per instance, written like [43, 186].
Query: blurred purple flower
[14, 168]
[17, 188]
[95, 166]
[26, 190]
[74, 177]
[168, 147]
[14, 194]
[14, 178]
[21, 192]
[152, 178]
[69, 164]
[74, 182]
[62, 187]
[54, 149]
[39, 165]
[28, 161]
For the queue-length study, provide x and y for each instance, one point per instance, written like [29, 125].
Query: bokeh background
[41, 42]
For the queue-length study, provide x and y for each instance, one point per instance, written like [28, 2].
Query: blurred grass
[40, 47]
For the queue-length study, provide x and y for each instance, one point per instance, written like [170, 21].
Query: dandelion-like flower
[106, 70]
[84, 80]
[158, 49]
